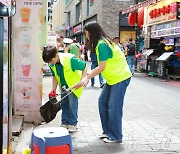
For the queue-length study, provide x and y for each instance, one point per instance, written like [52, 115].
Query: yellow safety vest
[71, 77]
[116, 69]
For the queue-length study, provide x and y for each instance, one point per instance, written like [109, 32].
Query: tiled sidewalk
[151, 121]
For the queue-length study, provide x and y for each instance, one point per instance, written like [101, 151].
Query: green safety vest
[116, 69]
[71, 77]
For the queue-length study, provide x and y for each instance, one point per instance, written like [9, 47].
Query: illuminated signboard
[167, 29]
[77, 29]
[163, 11]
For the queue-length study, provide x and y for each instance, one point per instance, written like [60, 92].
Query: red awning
[138, 6]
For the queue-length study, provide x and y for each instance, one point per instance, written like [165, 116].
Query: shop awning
[137, 6]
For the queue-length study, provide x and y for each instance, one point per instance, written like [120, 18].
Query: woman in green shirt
[114, 69]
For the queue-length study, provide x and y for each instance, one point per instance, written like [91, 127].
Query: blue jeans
[94, 65]
[130, 61]
[69, 107]
[111, 108]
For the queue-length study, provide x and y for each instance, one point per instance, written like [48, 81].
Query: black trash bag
[49, 110]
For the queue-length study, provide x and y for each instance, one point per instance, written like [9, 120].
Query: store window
[78, 12]
[90, 4]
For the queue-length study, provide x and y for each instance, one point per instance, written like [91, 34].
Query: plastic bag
[49, 110]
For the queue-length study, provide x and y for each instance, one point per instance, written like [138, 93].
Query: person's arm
[77, 64]
[66, 50]
[84, 72]
[54, 83]
[105, 53]
[127, 47]
[93, 73]
[57, 46]
[97, 70]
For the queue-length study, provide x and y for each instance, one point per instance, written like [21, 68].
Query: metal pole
[136, 29]
[1, 82]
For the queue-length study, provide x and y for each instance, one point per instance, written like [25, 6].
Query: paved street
[151, 121]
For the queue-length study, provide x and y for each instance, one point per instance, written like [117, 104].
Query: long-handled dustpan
[49, 110]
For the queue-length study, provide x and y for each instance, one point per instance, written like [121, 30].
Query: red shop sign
[163, 10]
[77, 29]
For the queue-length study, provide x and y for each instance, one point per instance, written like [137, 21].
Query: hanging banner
[28, 34]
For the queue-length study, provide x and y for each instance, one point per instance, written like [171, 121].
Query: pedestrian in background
[161, 46]
[73, 47]
[84, 52]
[60, 44]
[114, 68]
[116, 40]
[130, 47]
[67, 70]
[93, 59]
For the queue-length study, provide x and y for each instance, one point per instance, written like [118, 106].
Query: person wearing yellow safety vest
[67, 70]
[114, 69]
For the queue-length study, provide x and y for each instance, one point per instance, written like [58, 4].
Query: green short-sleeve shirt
[76, 64]
[105, 52]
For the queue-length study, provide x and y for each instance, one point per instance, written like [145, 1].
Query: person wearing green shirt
[113, 66]
[67, 70]
[73, 48]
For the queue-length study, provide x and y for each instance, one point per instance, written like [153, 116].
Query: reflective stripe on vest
[116, 69]
[71, 77]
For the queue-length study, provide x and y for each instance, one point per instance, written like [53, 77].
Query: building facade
[77, 13]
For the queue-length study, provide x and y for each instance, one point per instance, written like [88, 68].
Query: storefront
[163, 21]
[125, 30]
[77, 32]
[131, 22]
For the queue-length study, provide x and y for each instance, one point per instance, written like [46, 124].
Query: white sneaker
[64, 125]
[102, 136]
[109, 140]
[72, 128]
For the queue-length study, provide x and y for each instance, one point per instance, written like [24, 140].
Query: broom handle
[66, 91]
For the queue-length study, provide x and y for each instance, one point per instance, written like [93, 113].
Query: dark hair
[131, 39]
[49, 52]
[162, 38]
[95, 33]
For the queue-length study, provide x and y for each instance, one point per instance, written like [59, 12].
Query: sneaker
[102, 136]
[102, 85]
[109, 140]
[72, 128]
[64, 125]
[92, 85]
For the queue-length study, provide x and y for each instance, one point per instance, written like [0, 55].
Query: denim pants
[111, 108]
[69, 107]
[130, 61]
[94, 65]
